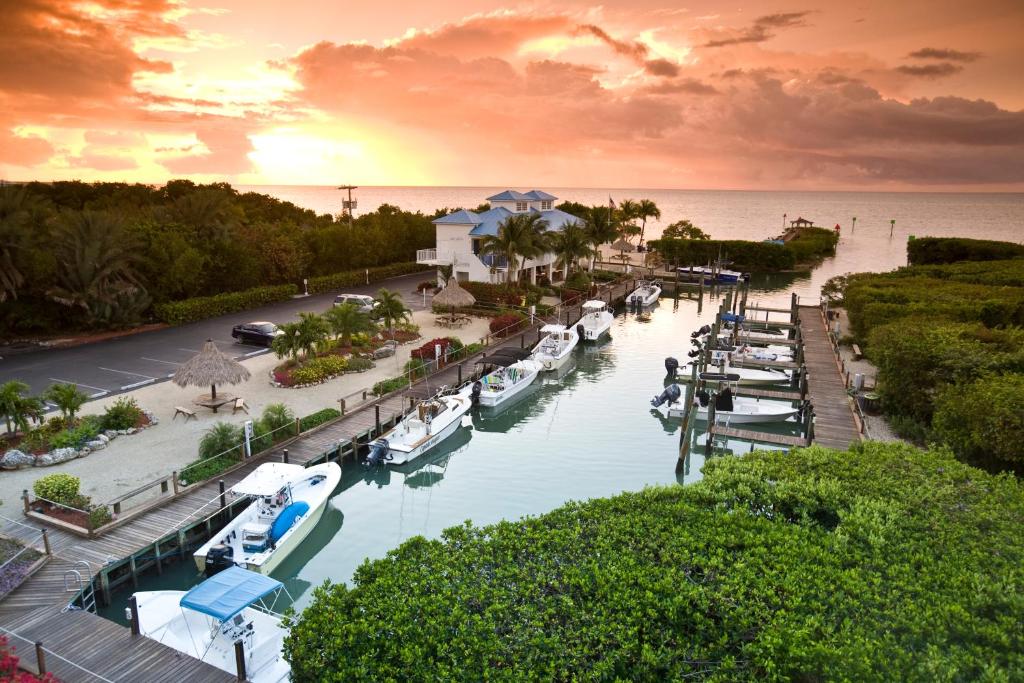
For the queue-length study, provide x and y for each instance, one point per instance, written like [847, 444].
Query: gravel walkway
[876, 427]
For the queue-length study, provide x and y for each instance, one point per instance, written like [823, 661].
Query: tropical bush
[933, 250]
[86, 430]
[319, 369]
[473, 349]
[811, 566]
[59, 488]
[200, 308]
[358, 364]
[809, 245]
[487, 293]
[318, 418]
[68, 398]
[98, 516]
[124, 413]
[276, 417]
[579, 281]
[386, 386]
[506, 324]
[223, 438]
[984, 420]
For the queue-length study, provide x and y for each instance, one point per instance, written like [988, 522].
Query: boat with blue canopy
[225, 616]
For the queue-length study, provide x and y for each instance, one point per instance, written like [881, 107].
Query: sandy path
[131, 461]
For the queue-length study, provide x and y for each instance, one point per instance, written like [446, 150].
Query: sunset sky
[903, 95]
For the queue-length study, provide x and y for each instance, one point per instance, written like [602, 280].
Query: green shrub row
[811, 244]
[200, 308]
[352, 278]
[386, 386]
[934, 250]
[882, 563]
[318, 418]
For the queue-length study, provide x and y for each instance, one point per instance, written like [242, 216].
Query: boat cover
[594, 305]
[268, 479]
[553, 328]
[732, 318]
[227, 593]
[287, 518]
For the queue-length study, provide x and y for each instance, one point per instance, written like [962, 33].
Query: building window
[545, 206]
[476, 247]
[521, 206]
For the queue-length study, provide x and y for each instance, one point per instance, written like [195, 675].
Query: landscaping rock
[15, 459]
[103, 437]
[63, 454]
[112, 434]
[130, 430]
[84, 451]
[96, 445]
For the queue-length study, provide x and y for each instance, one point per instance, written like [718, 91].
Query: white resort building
[459, 236]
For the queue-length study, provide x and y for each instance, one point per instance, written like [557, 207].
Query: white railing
[426, 255]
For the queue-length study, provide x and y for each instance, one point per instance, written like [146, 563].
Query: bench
[239, 405]
[857, 355]
[178, 410]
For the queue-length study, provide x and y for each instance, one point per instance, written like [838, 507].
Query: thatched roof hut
[454, 296]
[623, 246]
[210, 367]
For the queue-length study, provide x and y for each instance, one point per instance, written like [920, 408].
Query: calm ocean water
[865, 246]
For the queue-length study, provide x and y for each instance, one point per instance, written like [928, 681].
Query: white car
[364, 302]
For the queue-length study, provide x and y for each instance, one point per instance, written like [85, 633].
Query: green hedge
[811, 244]
[984, 420]
[881, 563]
[934, 250]
[353, 278]
[318, 418]
[200, 308]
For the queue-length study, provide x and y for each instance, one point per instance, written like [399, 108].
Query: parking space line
[125, 372]
[189, 350]
[157, 360]
[257, 352]
[138, 384]
[100, 391]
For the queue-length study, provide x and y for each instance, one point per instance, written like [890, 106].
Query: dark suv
[258, 333]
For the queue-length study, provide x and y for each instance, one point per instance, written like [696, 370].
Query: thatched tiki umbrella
[212, 367]
[454, 296]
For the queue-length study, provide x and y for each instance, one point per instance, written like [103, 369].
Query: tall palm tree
[600, 228]
[68, 398]
[646, 209]
[288, 342]
[521, 235]
[97, 259]
[17, 407]
[390, 309]
[569, 246]
[21, 213]
[346, 320]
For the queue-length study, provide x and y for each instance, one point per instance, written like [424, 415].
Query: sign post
[248, 438]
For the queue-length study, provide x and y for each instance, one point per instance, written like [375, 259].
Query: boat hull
[495, 400]
[641, 297]
[400, 457]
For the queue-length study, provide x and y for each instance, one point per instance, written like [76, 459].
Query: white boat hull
[552, 353]
[493, 399]
[593, 329]
[644, 296]
[746, 411]
[400, 457]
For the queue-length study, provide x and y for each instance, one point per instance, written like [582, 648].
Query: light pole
[854, 224]
[892, 226]
[348, 205]
[783, 221]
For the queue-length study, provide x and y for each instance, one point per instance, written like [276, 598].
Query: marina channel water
[587, 431]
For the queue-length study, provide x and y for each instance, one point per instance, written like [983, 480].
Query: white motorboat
[206, 622]
[288, 502]
[747, 376]
[728, 408]
[510, 378]
[555, 348]
[433, 421]
[596, 320]
[710, 274]
[646, 293]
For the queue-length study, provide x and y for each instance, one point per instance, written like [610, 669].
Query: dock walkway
[834, 422]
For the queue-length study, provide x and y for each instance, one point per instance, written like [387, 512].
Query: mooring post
[24, 498]
[133, 567]
[133, 607]
[460, 374]
[298, 426]
[376, 416]
[223, 498]
[40, 658]
[522, 340]
[412, 402]
[284, 456]
[240, 659]
[709, 443]
[341, 406]
[174, 481]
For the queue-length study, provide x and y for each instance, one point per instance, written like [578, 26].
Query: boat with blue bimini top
[207, 622]
[429, 424]
[288, 501]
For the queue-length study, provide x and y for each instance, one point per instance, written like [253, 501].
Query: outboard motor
[701, 332]
[704, 397]
[671, 365]
[379, 453]
[693, 353]
[671, 395]
[219, 558]
[474, 393]
[723, 401]
[580, 330]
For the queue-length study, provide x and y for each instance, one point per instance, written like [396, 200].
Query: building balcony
[496, 261]
[428, 257]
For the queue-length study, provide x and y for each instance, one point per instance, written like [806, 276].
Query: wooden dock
[171, 531]
[834, 422]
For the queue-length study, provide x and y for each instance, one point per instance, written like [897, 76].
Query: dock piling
[376, 416]
[223, 498]
[240, 660]
[133, 608]
[284, 456]
[46, 542]
[40, 658]
[24, 498]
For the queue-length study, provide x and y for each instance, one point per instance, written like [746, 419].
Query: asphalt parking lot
[117, 365]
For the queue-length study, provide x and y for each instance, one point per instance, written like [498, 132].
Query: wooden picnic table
[452, 320]
[208, 401]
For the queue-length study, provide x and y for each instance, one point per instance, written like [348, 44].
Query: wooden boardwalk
[39, 599]
[834, 423]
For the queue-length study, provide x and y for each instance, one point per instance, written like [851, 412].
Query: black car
[258, 333]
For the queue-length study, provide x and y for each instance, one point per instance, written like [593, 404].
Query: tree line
[79, 255]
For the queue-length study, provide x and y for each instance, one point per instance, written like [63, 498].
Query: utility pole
[892, 226]
[854, 224]
[783, 222]
[348, 205]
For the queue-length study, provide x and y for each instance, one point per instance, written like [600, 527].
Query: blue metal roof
[509, 196]
[462, 217]
[540, 195]
[227, 593]
[491, 220]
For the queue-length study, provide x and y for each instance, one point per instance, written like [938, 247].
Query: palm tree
[208, 210]
[570, 245]
[68, 398]
[390, 309]
[20, 213]
[97, 260]
[519, 235]
[600, 228]
[16, 407]
[313, 331]
[287, 343]
[646, 209]
[346, 320]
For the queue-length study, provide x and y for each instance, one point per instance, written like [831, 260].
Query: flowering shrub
[319, 369]
[502, 324]
[428, 352]
[9, 667]
[60, 488]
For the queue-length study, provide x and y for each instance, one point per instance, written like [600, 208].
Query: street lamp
[348, 205]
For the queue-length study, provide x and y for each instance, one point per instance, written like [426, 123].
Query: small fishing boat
[720, 275]
[288, 502]
[646, 293]
[511, 377]
[728, 408]
[207, 622]
[433, 421]
[555, 348]
[596, 320]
